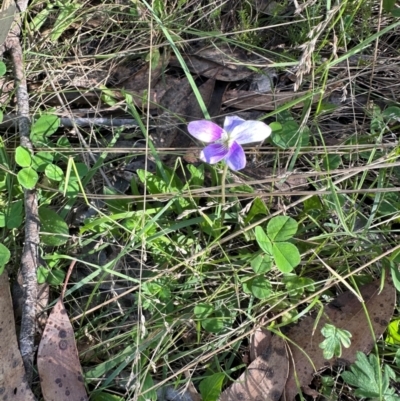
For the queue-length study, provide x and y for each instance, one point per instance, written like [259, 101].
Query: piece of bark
[344, 312]
[13, 381]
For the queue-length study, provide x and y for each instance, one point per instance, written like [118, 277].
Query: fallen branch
[29, 260]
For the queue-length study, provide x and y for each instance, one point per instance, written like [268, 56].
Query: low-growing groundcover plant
[210, 270]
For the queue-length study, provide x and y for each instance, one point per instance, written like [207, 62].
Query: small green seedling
[334, 340]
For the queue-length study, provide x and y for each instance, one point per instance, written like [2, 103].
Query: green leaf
[263, 241]
[55, 277]
[260, 287]
[116, 205]
[334, 340]
[391, 113]
[331, 162]
[395, 12]
[210, 387]
[54, 172]
[67, 15]
[369, 379]
[54, 230]
[289, 134]
[296, 286]
[40, 160]
[261, 264]
[281, 228]
[197, 175]
[27, 177]
[41, 275]
[4, 257]
[14, 216]
[23, 157]
[219, 320]
[102, 396]
[147, 384]
[286, 256]
[3, 68]
[213, 325]
[46, 125]
[388, 5]
[393, 332]
[257, 207]
[202, 310]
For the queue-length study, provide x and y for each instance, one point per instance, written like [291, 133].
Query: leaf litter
[344, 312]
[58, 361]
[13, 382]
[271, 374]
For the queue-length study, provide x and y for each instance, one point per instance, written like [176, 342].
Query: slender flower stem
[223, 182]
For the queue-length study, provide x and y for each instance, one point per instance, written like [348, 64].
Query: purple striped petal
[236, 159]
[213, 153]
[205, 131]
[231, 122]
[250, 131]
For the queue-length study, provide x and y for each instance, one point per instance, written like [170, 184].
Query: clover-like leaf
[281, 228]
[23, 156]
[27, 177]
[334, 339]
[286, 256]
[260, 287]
[263, 240]
[261, 264]
[54, 172]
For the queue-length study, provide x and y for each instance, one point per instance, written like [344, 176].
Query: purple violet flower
[227, 140]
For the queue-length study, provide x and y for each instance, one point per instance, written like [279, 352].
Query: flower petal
[250, 131]
[231, 122]
[236, 159]
[213, 153]
[205, 131]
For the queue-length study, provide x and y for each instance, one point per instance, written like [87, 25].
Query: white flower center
[225, 140]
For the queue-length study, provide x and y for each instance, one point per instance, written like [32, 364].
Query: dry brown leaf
[179, 100]
[13, 383]
[260, 341]
[264, 378]
[58, 362]
[210, 69]
[241, 99]
[139, 81]
[344, 312]
[219, 62]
